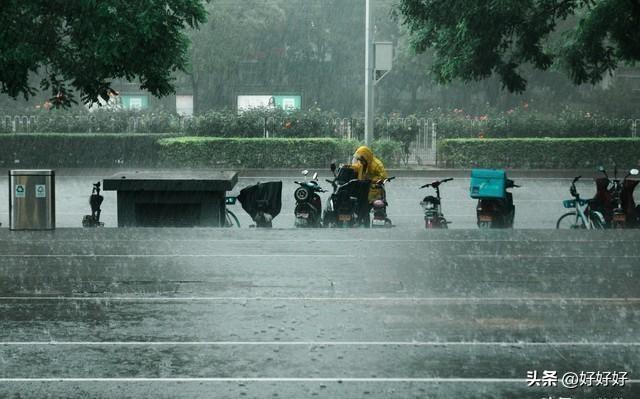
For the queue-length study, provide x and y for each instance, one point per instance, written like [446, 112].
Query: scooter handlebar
[437, 182]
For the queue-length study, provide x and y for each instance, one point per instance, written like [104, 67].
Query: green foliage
[475, 39]
[258, 122]
[87, 44]
[43, 150]
[254, 152]
[523, 122]
[390, 152]
[539, 153]
[100, 121]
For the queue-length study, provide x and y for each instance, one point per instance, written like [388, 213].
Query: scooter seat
[431, 199]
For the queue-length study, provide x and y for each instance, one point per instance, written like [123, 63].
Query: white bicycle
[583, 215]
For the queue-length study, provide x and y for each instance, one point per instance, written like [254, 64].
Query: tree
[237, 32]
[476, 39]
[84, 45]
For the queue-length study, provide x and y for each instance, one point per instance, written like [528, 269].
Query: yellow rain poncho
[368, 167]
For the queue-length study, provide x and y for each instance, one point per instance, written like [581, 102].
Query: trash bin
[32, 203]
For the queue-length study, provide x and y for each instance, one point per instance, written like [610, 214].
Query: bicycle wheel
[570, 220]
[231, 219]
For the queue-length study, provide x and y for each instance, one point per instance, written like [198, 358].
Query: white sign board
[21, 191]
[248, 102]
[384, 56]
[184, 105]
[41, 191]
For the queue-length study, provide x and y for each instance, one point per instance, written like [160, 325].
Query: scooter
[432, 207]
[308, 210]
[495, 207]
[263, 202]
[619, 206]
[379, 206]
[95, 200]
[348, 204]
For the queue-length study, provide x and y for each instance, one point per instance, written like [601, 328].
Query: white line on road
[100, 240]
[567, 301]
[316, 343]
[276, 379]
[306, 255]
[239, 379]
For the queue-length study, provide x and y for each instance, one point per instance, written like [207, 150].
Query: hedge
[539, 153]
[254, 152]
[53, 150]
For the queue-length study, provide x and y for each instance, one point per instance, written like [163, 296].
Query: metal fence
[423, 148]
[91, 124]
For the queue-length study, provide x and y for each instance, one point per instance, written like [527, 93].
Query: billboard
[285, 102]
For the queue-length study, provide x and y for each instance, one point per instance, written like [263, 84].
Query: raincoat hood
[364, 152]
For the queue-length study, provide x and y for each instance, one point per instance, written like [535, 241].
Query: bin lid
[31, 172]
[488, 174]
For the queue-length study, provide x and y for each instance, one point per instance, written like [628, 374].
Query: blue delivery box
[488, 183]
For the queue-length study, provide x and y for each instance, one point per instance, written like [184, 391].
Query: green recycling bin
[32, 204]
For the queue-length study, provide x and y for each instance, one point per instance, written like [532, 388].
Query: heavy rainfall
[332, 199]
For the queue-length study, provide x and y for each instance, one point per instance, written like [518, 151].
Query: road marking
[324, 299]
[306, 255]
[312, 240]
[316, 343]
[453, 380]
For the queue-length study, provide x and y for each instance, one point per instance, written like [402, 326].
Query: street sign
[384, 56]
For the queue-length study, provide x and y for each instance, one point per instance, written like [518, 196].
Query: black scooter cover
[270, 192]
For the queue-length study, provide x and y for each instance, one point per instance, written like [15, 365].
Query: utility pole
[368, 76]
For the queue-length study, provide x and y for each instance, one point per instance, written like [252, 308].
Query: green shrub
[100, 121]
[539, 153]
[53, 150]
[260, 122]
[254, 152]
[388, 151]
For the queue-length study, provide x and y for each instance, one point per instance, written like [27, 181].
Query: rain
[332, 199]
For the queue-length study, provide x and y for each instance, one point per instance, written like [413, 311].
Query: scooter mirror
[600, 168]
[315, 176]
[634, 172]
[305, 172]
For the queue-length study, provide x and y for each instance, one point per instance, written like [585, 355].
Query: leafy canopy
[474, 39]
[89, 43]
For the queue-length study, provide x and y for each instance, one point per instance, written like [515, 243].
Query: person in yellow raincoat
[368, 167]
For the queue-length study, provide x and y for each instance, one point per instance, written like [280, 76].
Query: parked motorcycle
[618, 203]
[379, 206]
[308, 210]
[432, 207]
[348, 205]
[495, 207]
[95, 200]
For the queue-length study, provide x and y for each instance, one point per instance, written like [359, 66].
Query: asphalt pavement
[290, 313]
[399, 313]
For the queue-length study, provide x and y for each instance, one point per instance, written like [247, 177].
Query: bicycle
[230, 218]
[583, 216]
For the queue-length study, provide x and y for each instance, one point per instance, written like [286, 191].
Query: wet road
[538, 202]
[399, 313]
